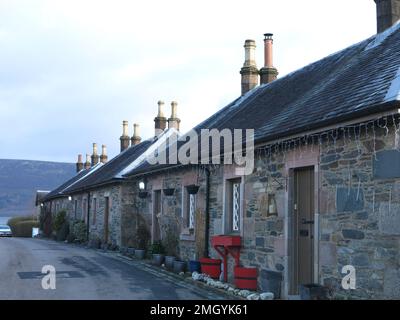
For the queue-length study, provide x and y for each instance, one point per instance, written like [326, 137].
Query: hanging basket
[143, 194]
[169, 192]
[193, 189]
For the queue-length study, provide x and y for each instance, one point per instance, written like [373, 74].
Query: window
[233, 206]
[84, 208]
[94, 210]
[75, 209]
[191, 207]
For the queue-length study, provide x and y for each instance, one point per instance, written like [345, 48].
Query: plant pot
[313, 291]
[139, 253]
[194, 266]
[271, 281]
[169, 192]
[143, 194]
[130, 251]
[169, 262]
[246, 278]
[179, 266]
[158, 259]
[211, 267]
[192, 189]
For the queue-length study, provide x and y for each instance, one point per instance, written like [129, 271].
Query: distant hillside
[19, 180]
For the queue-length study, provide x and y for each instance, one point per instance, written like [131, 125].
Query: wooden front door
[106, 218]
[303, 228]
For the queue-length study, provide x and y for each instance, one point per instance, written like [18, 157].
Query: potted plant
[142, 240]
[169, 262]
[179, 266]
[193, 189]
[157, 250]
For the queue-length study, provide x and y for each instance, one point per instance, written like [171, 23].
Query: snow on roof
[92, 169]
[381, 37]
[161, 140]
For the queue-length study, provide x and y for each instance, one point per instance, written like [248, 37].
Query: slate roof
[351, 83]
[58, 192]
[108, 173]
[359, 80]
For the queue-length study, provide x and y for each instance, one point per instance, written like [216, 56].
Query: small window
[84, 208]
[75, 209]
[191, 208]
[233, 206]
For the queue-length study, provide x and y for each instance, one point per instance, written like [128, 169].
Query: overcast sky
[71, 71]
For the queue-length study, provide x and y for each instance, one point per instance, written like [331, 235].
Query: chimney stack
[125, 140]
[249, 70]
[174, 121]
[95, 157]
[103, 157]
[79, 163]
[268, 73]
[136, 135]
[87, 163]
[388, 13]
[160, 122]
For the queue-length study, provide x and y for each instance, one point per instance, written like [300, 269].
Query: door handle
[304, 221]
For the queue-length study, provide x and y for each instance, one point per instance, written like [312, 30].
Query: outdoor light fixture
[69, 198]
[41, 204]
[272, 211]
[142, 192]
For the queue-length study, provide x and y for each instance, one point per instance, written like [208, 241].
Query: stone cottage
[324, 196]
[101, 197]
[322, 202]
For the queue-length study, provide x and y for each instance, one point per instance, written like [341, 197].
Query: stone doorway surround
[303, 157]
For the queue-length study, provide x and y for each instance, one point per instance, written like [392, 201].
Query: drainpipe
[207, 222]
[88, 217]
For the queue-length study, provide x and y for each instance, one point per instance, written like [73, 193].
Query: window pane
[235, 206]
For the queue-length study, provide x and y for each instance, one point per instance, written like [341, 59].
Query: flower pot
[158, 259]
[313, 291]
[211, 267]
[169, 262]
[194, 266]
[139, 253]
[179, 266]
[130, 251]
[246, 278]
[192, 189]
[143, 194]
[168, 192]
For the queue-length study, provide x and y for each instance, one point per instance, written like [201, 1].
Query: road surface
[81, 274]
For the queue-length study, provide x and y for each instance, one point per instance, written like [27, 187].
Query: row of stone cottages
[324, 192]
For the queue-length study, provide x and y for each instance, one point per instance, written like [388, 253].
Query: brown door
[156, 214]
[106, 218]
[303, 222]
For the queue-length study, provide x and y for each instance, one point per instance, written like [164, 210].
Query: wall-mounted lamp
[69, 198]
[272, 210]
[142, 192]
[142, 186]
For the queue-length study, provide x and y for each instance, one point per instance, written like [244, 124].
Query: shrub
[157, 248]
[22, 226]
[71, 237]
[79, 230]
[59, 220]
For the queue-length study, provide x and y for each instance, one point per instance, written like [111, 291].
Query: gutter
[207, 220]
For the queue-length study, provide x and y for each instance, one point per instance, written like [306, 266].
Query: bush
[157, 248]
[79, 230]
[61, 226]
[22, 226]
[71, 237]
[59, 220]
